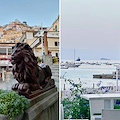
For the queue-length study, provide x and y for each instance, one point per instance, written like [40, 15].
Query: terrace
[102, 106]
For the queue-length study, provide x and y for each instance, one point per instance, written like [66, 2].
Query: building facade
[53, 38]
[52, 41]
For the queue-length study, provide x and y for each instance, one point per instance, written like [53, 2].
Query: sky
[92, 28]
[34, 12]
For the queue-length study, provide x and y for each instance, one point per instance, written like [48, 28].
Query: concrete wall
[29, 35]
[30, 41]
[51, 42]
[51, 46]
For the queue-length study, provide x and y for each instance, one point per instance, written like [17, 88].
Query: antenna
[41, 27]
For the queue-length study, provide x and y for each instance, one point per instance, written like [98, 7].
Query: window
[56, 54]
[56, 28]
[9, 51]
[2, 51]
[56, 43]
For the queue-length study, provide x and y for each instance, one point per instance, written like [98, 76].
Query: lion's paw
[23, 86]
[15, 86]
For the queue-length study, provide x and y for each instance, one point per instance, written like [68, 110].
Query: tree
[24, 22]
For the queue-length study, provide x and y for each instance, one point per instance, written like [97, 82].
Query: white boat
[64, 67]
[73, 65]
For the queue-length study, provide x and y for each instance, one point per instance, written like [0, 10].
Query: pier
[104, 76]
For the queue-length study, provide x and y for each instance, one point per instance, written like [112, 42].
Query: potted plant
[12, 105]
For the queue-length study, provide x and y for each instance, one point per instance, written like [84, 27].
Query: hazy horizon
[83, 54]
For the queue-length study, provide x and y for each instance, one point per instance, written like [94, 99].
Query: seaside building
[51, 36]
[5, 56]
[6, 50]
[29, 36]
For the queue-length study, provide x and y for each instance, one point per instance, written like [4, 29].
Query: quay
[104, 76]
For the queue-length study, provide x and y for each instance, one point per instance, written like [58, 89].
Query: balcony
[53, 34]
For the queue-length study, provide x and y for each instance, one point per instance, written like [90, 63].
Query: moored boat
[64, 67]
[78, 59]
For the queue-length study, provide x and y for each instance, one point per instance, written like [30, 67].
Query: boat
[108, 63]
[78, 59]
[64, 67]
[97, 63]
[70, 64]
[92, 63]
[73, 65]
[115, 77]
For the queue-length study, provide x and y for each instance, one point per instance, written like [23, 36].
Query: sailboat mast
[74, 55]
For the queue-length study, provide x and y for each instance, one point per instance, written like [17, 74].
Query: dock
[104, 76]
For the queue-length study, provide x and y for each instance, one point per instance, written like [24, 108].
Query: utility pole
[41, 38]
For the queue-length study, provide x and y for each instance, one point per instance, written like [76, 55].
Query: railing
[36, 42]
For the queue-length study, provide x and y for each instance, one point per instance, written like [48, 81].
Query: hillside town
[44, 42]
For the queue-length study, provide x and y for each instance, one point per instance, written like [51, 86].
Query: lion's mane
[25, 68]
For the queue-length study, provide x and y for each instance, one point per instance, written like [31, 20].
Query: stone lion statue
[26, 71]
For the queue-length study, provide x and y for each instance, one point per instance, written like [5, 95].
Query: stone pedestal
[43, 106]
[47, 59]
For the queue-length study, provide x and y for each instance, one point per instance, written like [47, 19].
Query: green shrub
[39, 60]
[12, 104]
[116, 106]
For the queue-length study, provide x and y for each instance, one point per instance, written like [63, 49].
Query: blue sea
[86, 71]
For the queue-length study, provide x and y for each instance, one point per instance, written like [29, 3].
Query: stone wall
[43, 107]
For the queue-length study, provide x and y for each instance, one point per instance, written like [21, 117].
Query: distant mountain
[104, 59]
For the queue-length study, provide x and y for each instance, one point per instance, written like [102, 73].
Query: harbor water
[86, 71]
